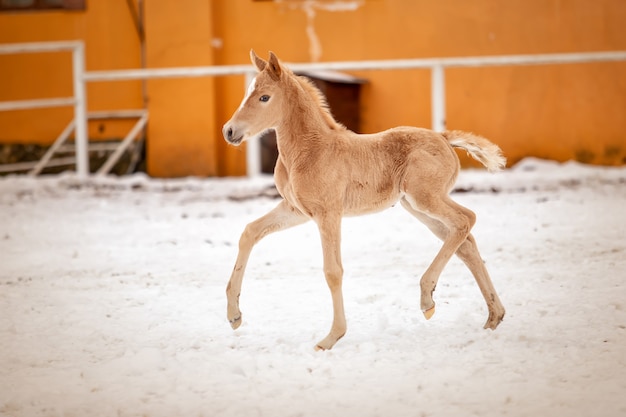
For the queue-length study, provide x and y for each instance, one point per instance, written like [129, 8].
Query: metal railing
[437, 67]
[78, 100]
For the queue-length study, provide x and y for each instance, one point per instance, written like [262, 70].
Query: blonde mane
[319, 99]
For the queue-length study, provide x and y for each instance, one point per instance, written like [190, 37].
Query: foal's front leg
[281, 217]
[330, 234]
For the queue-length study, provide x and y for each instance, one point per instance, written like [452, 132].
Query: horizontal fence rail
[30, 47]
[435, 65]
[394, 64]
[37, 104]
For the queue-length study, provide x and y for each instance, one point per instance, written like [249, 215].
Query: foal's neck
[307, 119]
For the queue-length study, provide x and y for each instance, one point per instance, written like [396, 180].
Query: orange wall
[558, 112]
[111, 42]
[182, 128]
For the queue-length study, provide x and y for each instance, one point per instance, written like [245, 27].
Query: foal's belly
[357, 202]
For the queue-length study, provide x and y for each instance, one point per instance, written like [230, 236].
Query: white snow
[112, 303]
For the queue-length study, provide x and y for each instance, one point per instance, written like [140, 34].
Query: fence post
[253, 145]
[80, 111]
[438, 98]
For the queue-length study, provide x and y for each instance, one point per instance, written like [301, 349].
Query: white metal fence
[437, 67]
[78, 100]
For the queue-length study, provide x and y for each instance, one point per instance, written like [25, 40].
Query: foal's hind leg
[458, 221]
[468, 253]
[281, 217]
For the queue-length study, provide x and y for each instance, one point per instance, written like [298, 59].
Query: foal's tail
[479, 148]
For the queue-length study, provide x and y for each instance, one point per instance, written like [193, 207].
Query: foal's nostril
[230, 133]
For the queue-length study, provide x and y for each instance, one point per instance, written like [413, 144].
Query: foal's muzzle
[231, 135]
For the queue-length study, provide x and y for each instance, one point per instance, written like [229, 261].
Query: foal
[325, 171]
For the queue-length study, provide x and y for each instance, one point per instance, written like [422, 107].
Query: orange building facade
[560, 112]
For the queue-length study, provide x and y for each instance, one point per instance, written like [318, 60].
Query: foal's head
[273, 94]
[261, 108]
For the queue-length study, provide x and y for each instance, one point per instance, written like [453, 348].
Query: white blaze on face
[251, 87]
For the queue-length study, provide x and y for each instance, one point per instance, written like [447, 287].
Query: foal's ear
[274, 66]
[259, 63]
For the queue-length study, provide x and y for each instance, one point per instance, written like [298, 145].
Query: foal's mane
[319, 99]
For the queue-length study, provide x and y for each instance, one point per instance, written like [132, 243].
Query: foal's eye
[264, 98]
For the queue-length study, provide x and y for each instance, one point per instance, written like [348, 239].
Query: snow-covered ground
[112, 303]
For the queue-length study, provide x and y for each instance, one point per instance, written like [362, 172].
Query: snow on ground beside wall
[112, 303]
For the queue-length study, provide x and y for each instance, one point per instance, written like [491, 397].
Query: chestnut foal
[325, 171]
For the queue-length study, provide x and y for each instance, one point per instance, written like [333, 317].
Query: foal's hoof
[236, 322]
[429, 313]
[324, 345]
[328, 342]
[494, 320]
